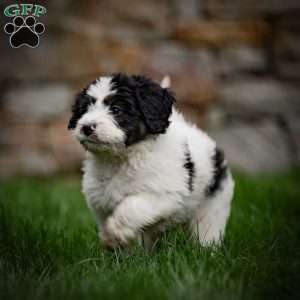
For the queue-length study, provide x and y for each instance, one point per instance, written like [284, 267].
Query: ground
[49, 248]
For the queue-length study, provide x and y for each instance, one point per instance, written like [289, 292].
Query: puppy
[146, 168]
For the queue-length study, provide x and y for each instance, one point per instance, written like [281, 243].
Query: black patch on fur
[140, 106]
[80, 107]
[190, 167]
[219, 173]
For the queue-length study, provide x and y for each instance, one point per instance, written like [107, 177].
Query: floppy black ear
[155, 104]
[80, 107]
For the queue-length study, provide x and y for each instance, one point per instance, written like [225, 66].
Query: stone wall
[234, 65]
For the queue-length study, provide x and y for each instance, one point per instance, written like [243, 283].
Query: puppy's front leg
[133, 214]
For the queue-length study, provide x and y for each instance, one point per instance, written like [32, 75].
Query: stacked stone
[235, 67]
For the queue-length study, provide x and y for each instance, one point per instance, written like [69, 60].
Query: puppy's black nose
[87, 130]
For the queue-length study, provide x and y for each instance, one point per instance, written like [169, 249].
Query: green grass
[49, 248]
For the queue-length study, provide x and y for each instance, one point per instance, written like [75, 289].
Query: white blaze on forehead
[101, 89]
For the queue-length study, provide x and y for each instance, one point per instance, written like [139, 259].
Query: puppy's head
[120, 110]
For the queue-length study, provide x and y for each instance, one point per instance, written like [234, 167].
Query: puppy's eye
[115, 110]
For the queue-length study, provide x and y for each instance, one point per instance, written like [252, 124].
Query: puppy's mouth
[92, 143]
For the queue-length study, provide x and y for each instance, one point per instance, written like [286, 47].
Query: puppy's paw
[115, 234]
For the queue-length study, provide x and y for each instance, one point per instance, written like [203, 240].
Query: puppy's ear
[80, 107]
[166, 82]
[155, 104]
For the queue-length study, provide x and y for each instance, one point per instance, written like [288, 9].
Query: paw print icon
[24, 32]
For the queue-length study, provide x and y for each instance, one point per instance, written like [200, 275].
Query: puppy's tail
[166, 82]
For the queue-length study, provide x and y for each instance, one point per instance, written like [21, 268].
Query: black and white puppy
[146, 168]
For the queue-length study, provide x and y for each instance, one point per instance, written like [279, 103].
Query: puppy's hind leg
[209, 223]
